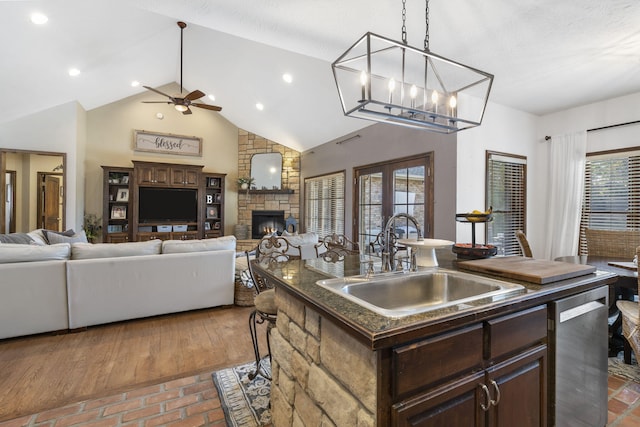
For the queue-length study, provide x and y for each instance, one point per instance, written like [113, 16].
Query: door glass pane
[408, 184]
[370, 221]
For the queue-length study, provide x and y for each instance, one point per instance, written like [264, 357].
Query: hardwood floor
[43, 372]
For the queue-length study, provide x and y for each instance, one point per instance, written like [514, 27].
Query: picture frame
[212, 212]
[167, 143]
[118, 212]
[123, 195]
[216, 226]
[124, 179]
[214, 182]
[207, 226]
[217, 197]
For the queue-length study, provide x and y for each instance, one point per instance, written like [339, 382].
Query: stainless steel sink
[402, 294]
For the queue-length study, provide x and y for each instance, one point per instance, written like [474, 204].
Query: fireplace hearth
[266, 222]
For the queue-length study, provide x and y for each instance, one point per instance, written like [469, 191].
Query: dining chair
[612, 243]
[335, 247]
[630, 311]
[524, 244]
[270, 251]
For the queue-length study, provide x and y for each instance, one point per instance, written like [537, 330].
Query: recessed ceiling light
[74, 72]
[135, 83]
[259, 106]
[287, 77]
[211, 97]
[39, 18]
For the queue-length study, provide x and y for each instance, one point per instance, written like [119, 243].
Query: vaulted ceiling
[546, 55]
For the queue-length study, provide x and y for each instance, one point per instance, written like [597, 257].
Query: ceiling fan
[182, 104]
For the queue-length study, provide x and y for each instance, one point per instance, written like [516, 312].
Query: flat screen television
[167, 204]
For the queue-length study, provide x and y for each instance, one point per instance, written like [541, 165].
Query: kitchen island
[482, 363]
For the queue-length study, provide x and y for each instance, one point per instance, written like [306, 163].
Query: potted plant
[244, 183]
[92, 227]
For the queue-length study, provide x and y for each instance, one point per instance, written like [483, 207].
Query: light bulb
[434, 97]
[363, 78]
[181, 108]
[39, 18]
[453, 102]
[413, 91]
[392, 85]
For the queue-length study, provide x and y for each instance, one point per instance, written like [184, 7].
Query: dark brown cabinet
[185, 176]
[117, 201]
[489, 374]
[151, 174]
[213, 219]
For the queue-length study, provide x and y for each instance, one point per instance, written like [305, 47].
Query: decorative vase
[244, 186]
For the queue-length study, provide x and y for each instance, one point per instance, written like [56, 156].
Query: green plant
[92, 226]
[245, 180]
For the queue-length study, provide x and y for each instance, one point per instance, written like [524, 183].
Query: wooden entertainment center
[122, 186]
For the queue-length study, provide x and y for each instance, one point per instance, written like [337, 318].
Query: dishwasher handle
[582, 309]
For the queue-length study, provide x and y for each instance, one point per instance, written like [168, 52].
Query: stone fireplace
[266, 222]
[286, 201]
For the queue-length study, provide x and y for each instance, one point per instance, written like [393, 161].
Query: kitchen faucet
[389, 249]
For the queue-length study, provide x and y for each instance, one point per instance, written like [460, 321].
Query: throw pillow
[16, 238]
[38, 237]
[54, 237]
[185, 246]
[114, 250]
[27, 253]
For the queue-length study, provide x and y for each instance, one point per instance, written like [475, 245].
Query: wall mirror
[32, 190]
[266, 170]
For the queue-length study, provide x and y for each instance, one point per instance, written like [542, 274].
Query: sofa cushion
[27, 253]
[38, 237]
[16, 238]
[112, 250]
[68, 236]
[184, 246]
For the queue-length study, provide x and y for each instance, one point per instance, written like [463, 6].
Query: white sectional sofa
[73, 285]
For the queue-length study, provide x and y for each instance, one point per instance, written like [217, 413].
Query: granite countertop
[299, 277]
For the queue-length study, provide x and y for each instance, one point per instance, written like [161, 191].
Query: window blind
[611, 193]
[324, 204]
[506, 193]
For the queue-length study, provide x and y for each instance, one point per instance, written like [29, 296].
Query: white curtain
[567, 156]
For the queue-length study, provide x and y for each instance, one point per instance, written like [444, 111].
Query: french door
[385, 189]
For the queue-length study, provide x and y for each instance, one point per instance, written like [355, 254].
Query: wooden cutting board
[532, 270]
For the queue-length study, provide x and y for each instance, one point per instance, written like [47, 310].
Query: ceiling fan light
[181, 108]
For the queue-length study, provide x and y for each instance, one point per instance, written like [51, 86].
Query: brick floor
[187, 402]
[194, 401]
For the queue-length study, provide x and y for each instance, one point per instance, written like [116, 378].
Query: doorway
[49, 206]
[10, 204]
[398, 186]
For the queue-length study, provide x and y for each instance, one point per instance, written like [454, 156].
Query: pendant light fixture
[389, 81]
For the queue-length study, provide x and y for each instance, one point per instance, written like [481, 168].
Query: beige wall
[109, 142]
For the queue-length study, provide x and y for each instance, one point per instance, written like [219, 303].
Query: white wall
[53, 130]
[504, 130]
[614, 111]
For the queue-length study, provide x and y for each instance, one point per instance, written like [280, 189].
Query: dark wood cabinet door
[162, 175]
[145, 175]
[184, 177]
[453, 404]
[522, 384]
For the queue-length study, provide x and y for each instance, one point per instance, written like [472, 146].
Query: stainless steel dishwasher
[578, 360]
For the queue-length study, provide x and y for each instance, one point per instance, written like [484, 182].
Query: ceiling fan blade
[157, 102]
[207, 106]
[196, 94]
[187, 111]
[157, 91]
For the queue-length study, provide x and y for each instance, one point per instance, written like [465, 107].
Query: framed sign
[167, 143]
